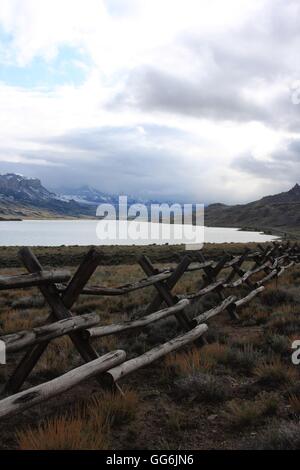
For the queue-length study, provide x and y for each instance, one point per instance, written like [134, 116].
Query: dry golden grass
[294, 402]
[64, 433]
[196, 359]
[107, 343]
[58, 357]
[112, 408]
[87, 427]
[275, 372]
[185, 363]
[14, 320]
[215, 352]
[13, 324]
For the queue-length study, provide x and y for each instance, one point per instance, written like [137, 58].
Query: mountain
[26, 197]
[280, 212]
[22, 197]
[88, 195]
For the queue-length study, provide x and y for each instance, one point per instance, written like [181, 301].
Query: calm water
[84, 232]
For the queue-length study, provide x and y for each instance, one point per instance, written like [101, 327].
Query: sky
[188, 100]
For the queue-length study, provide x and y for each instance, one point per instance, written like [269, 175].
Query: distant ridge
[23, 197]
[280, 212]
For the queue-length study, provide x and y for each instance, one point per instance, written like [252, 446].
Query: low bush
[203, 387]
[244, 413]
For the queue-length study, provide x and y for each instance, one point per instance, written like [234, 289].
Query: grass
[113, 408]
[275, 373]
[59, 357]
[185, 393]
[64, 433]
[197, 359]
[240, 414]
[243, 358]
[86, 427]
[294, 402]
[279, 344]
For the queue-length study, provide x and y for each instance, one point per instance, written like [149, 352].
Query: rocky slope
[280, 211]
[26, 197]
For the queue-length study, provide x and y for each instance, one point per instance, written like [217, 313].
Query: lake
[84, 232]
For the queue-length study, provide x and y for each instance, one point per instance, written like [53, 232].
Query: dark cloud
[228, 70]
[151, 89]
[282, 165]
[129, 160]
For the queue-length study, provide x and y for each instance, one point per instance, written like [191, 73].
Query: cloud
[186, 99]
[245, 75]
[282, 165]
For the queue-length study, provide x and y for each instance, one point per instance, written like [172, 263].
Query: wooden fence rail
[61, 291]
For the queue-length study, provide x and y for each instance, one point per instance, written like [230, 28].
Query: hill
[279, 212]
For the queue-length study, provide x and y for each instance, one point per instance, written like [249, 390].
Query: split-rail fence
[61, 291]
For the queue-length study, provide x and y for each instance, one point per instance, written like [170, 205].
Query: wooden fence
[61, 291]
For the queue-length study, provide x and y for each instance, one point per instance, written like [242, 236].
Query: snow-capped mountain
[21, 196]
[86, 195]
[17, 187]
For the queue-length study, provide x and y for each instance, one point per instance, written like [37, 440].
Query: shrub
[275, 373]
[202, 387]
[278, 343]
[244, 358]
[284, 437]
[240, 414]
[176, 421]
[273, 297]
[286, 321]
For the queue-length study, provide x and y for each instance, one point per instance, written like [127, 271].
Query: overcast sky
[190, 99]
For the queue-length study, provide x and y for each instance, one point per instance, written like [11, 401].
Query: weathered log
[204, 290]
[214, 311]
[59, 306]
[284, 268]
[267, 278]
[249, 297]
[23, 339]
[238, 261]
[126, 288]
[131, 324]
[34, 279]
[35, 395]
[170, 283]
[147, 358]
[246, 276]
[195, 266]
[164, 292]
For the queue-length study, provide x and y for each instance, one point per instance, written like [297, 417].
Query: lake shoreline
[86, 232]
[116, 255]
